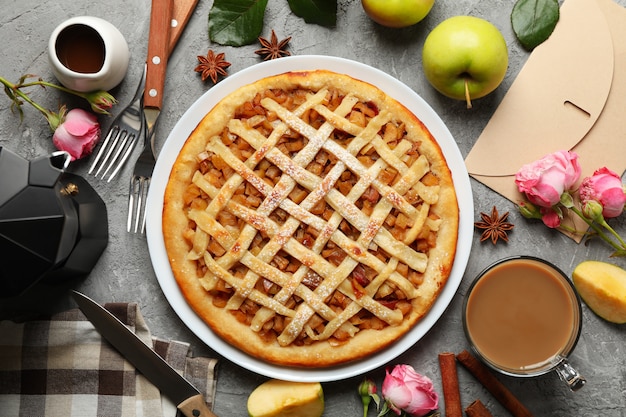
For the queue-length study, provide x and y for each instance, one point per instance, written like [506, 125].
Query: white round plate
[189, 121]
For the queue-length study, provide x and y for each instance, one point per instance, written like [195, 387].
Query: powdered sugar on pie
[310, 219]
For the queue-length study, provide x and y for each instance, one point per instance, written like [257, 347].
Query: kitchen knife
[188, 399]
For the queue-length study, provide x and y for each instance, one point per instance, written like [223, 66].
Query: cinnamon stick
[450, 384]
[493, 385]
[477, 409]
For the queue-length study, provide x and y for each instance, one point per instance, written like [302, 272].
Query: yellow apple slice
[276, 398]
[602, 286]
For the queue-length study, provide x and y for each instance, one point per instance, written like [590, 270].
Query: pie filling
[309, 217]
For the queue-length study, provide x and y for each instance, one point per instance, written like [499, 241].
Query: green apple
[465, 58]
[276, 398]
[397, 13]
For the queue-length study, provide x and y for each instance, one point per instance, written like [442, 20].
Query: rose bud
[100, 101]
[593, 210]
[550, 217]
[367, 391]
[529, 210]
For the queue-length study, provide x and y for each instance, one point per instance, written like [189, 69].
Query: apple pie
[310, 219]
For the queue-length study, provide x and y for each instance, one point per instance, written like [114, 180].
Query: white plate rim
[189, 121]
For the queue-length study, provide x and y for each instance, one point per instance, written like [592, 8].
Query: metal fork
[156, 68]
[121, 138]
[140, 183]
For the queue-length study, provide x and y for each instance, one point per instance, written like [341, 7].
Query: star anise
[212, 65]
[273, 49]
[494, 226]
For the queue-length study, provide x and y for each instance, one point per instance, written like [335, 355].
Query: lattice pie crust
[310, 219]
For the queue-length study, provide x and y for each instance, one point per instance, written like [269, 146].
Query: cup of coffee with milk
[522, 317]
[88, 53]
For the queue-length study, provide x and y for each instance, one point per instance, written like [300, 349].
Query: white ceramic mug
[88, 53]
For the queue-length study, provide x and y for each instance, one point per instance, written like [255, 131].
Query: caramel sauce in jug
[81, 49]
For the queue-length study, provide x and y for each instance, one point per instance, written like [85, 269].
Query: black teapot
[53, 224]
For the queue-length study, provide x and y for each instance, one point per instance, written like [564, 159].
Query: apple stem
[468, 100]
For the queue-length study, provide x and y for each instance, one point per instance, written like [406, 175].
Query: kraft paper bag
[570, 95]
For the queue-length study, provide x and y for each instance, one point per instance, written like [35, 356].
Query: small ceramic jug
[88, 54]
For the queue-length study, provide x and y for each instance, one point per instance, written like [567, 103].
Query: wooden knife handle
[183, 9]
[158, 52]
[195, 407]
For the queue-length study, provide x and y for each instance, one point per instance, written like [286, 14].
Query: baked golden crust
[310, 219]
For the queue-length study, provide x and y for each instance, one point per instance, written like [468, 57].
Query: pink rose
[405, 390]
[78, 134]
[544, 181]
[605, 187]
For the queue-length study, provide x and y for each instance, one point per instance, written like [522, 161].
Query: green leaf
[321, 12]
[534, 20]
[236, 22]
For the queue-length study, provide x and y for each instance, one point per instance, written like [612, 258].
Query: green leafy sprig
[100, 101]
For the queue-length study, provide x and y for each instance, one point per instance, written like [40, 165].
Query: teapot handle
[60, 160]
[47, 170]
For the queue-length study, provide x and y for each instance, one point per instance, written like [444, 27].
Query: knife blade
[156, 62]
[187, 397]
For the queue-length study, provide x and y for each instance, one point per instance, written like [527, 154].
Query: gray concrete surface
[124, 273]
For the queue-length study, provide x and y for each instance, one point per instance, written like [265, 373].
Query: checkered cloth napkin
[60, 366]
